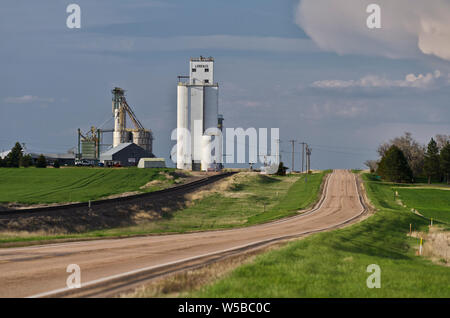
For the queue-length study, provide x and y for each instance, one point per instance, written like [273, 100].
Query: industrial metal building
[138, 135]
[63, 158]
[125, 154]
[197, 118]
[152, 163]
[91, 145]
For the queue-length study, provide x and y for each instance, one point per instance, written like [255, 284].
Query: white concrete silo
[143, 139]
[211, 107]
[183, 138]
[206, 161]
[119, 134]
[198, 107]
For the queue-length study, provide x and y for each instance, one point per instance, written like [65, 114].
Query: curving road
[108, 265]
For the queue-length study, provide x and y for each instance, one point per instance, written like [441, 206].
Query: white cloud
[26, 99]
[249, 103]
[335, 109]
[429, 80]
[410, 28]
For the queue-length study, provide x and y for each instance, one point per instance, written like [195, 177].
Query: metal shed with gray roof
[125, 154]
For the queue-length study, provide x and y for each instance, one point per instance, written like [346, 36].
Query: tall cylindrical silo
[218, 158]
[211, 106]
[142, 138]
[183, 144]
[117, 134]
[206, 153]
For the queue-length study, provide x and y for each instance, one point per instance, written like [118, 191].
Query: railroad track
[121, 200]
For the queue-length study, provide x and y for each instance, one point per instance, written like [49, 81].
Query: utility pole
[293, 154]
[308, 158]
[308, 152]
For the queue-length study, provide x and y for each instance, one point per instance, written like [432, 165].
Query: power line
[343, 152]
[329, 150]
[340, 147]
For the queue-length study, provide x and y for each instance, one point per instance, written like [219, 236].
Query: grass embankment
[249, 200]
[33, 186]
[431, 203]
[241, 200]
[333, 264]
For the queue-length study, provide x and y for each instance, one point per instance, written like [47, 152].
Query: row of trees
[403, 159]
[16, 158]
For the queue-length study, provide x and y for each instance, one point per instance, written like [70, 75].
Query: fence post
[420, 246]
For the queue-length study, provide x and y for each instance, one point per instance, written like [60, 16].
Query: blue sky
[309, 67]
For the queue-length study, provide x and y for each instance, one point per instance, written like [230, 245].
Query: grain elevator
[199, 138]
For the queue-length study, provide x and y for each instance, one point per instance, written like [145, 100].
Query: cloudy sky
[310, 67]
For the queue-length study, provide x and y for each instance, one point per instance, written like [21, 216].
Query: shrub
[394, 166]
[432, 161]
[41, 162]
[26, 161]
[15, 156]
[281, 169]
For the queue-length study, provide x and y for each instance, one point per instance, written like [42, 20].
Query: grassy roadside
[333, 264]
[34, 186]
[431, 203]
[246, 200]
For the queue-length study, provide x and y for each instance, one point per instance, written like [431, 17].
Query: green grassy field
[431, 203]
[32, 185]
[251, 199]
[333, 264]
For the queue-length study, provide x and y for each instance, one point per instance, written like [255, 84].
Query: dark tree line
[394, 166]
[16, 158]
[404, 160]
[445, 162]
